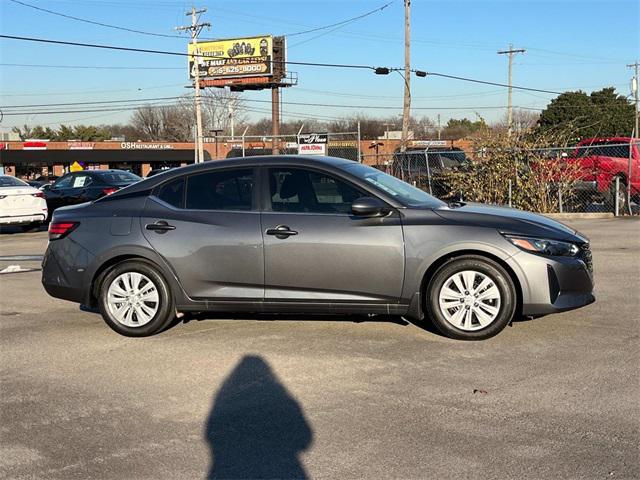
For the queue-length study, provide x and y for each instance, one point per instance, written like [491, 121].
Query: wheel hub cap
[469, 300]
[132, 299]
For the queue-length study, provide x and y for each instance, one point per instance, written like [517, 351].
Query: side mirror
[369, 207]
[46, 187]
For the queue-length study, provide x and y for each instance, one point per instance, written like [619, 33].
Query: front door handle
[281, 231]
[160, 227]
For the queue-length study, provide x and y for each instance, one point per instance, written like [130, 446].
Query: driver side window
[297, 190]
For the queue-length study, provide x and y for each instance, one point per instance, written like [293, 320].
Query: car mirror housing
[369, 207]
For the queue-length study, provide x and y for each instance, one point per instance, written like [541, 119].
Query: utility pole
[194, 29]
[231, 119]
[406, 107]
[439, 130]
[634, 87]
[511, 52]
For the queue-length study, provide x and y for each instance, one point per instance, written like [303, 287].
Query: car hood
[510, 220]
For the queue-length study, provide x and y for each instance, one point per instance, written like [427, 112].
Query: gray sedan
[292, 234]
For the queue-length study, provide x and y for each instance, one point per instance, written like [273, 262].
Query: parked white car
[20, 203]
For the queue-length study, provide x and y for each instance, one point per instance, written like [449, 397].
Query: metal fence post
[560, 199]
[616, 205]
[359, 152]
[510, 202]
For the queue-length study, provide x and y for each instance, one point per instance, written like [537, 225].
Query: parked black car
[86, 186]
[427, 168]
[294, 234]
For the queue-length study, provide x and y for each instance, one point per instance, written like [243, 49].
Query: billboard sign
[313, 144]
[236, 57]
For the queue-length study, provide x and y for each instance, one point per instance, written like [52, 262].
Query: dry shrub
[534, 165]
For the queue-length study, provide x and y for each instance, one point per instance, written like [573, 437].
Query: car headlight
[544, 246]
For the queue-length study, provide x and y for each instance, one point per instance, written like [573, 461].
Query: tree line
[602, 113]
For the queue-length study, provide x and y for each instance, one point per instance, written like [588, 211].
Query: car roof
[258, 160]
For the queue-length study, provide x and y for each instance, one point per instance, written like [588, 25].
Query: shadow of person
[256, 429]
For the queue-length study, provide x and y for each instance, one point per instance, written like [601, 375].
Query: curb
[576, 215]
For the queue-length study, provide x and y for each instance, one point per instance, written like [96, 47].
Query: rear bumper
[24, 219]
[64, 272]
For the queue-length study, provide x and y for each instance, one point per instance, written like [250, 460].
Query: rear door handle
[160, 227]
[281, 231]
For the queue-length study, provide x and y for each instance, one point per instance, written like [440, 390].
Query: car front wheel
[471, 298]
[135, 300]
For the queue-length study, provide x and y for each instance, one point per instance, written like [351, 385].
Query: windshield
[401, 191]
[9, 181]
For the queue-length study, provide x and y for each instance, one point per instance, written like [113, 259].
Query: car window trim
[266, 190]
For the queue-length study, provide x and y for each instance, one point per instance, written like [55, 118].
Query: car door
[315, 249]
[207, 227]
[56, 194]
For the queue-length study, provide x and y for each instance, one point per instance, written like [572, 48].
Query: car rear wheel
[471, 298]
[135, 300]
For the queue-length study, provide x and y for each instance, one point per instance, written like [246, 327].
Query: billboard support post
[275, 120]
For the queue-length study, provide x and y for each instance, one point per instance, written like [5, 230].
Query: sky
[569, 45]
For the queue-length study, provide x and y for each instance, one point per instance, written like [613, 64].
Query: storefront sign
[429, 143]
[145, 146]
[313, 144]
[80, 145]
[76, 167]
[34, 145]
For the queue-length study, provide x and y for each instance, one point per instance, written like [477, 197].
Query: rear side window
[220, 190]
[173, 193]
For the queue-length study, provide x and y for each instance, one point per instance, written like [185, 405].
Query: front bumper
[554, 284]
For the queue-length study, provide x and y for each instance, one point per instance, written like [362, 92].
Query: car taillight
[38, 194]
[59, 230]
[109, 190]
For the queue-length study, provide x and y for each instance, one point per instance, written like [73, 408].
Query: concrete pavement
[555, 397]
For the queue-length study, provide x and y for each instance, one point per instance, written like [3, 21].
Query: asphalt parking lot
[555, 397]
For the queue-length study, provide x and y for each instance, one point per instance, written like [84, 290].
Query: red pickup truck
[600, 161]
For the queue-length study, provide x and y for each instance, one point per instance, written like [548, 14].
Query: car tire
[135, 300]
[470, 298]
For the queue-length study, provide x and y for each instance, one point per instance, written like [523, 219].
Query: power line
[93, 22]
[485, 82]
[343, 22]
[81, 67]
[163, 52]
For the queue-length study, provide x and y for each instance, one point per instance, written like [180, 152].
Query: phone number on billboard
[236, 70]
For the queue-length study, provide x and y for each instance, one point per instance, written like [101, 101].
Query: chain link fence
[335, 144]
[596, 176]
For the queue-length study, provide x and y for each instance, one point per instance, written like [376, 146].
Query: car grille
[585, 255]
